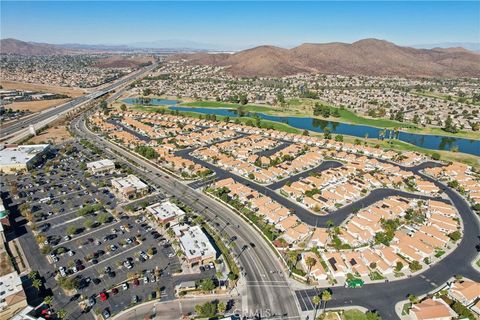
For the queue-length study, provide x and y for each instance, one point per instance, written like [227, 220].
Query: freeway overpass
[20, 129]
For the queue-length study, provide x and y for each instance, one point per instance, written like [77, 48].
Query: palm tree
[292, 258]
[37, 283]
[32, 275]
[316, 301]
[61, 314]
[326, 296]
[48, 300]
[310, 262]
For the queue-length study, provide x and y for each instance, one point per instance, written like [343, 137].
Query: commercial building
[12, 296]
[165, 211]
[21, 158]
[185, 286]
[196, 246]
[101, 166]
[129, 187]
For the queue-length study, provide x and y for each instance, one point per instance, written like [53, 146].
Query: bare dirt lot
[124, 62]
[54, 135]
[72, 92]
[36, 106]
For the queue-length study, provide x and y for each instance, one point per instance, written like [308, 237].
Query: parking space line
[109, 258]
[66, 222]
[86, 234]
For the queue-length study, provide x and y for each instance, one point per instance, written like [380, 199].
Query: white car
[71, 253]
[113, 247]
[145, 280]
[127, 264]
[62, 271]
[125, 286]
[74, 270]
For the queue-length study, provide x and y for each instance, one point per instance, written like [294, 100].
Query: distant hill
[365, 57]
[14, 46]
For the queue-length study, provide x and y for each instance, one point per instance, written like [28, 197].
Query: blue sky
[240, 24]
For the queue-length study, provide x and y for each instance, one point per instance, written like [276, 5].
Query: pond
[434, 142]
[151, 101]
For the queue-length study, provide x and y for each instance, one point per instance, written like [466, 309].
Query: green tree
[48, 300]
[326, 296]
[103, 218]
[413, 298]
[62, 314]
[123, 107]
[327, 134]
[206, 310]
[399, 266]
[310, 262]
[222, 307]
[455, 235]
[71, 230]
[415, 266]
[339, 138]
[316, 302]
[32, 275]
[372, 315]
[207, 285]
[436, 156]
[88, 224]
[37, 284]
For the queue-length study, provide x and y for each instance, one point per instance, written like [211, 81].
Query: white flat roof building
[130, 186]
[197, 246]
[100, 166]
[12, 296]
[20, 158]
[165, 211]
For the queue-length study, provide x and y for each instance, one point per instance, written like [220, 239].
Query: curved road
[384, 296]
[267, 286]
[267, 290]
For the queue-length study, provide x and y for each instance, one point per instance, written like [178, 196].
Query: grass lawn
[406, 309]
[351, 117]
[385, 144]
[441, 96]
[226, 105]
[478, 263]
[375, 275]
[354, 314]
[439, 253]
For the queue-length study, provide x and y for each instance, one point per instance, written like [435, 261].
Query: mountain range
[365, 57]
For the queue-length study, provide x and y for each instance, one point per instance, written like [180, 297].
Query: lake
[434, 142]
[151, 102]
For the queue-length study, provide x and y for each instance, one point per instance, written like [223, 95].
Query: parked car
[103, 296]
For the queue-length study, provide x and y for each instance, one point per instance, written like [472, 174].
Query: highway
[22, 125]
[267, 287]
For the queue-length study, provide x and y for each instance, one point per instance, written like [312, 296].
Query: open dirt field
[72, 92]
[54, 135]
[36, 106]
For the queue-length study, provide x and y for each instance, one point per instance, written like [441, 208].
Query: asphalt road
[268, 291]
[44, 115]
[383, 297]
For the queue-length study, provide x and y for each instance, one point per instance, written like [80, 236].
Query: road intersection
[264, 288]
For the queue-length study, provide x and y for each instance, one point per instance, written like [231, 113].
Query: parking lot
[87, 233]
